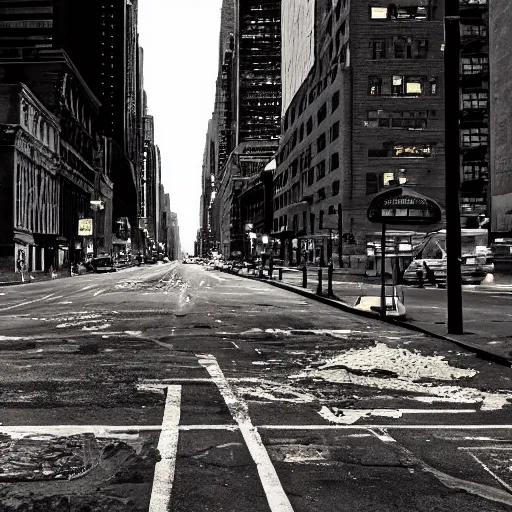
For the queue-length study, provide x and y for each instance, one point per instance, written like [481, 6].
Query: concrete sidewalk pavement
[486, 309]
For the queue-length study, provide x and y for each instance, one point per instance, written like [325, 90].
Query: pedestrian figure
[419, 275]
[431, 277]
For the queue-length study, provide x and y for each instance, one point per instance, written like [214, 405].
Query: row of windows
[400, 85]
[303, 161]
[399, 150]
[375, 182]
[398, 48]
[406, 120]
[298, 134]
[403, 12]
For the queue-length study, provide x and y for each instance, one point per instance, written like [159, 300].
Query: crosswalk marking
[277, 499]
[168, 447]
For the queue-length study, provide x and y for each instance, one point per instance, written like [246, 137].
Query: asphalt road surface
[173, 388]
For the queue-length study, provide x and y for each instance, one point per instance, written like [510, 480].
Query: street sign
[85, 227]
[403, 206]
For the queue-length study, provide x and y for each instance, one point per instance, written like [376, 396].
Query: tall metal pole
[452, 158]
[383, 271]
[340, 234]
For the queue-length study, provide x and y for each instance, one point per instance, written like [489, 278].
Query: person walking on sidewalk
[431, 277]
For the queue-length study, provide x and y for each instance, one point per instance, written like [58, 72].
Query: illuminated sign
[85, 227]
[401, 206]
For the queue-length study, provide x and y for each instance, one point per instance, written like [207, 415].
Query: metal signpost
[399, 206]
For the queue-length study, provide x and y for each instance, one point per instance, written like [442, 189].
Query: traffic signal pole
[452, 158]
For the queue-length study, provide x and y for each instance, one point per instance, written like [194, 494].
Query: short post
[304, 276]
[330, 272]
[280, 274]
[319, 287]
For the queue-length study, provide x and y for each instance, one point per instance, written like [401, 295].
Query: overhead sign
[403, 206]
[85, 227]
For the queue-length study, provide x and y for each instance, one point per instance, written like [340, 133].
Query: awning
[23, 238]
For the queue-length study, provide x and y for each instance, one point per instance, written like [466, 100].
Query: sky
[180, 39]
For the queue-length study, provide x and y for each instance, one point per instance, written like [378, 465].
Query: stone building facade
[500, 30]
[79, 155]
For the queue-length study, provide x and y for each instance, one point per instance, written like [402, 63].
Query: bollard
[330, 272]
[319, 288]
[270, 270]
[304, 276]
[280, 274]
[260, 274]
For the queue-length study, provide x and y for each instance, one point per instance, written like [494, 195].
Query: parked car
[102, 264]
[476, 258]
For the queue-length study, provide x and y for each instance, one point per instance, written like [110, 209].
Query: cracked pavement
[281, 403]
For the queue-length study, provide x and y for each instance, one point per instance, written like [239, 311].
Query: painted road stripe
[277, 499]
[28, 302]
[100, 291]
[217, 277]
[396, 426]
[494, 475]
[168, 447]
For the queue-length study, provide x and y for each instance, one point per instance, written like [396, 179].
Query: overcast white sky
[181, 47]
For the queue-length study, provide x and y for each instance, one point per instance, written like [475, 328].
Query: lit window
[379, 13]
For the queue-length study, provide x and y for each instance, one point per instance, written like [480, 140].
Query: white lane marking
[388, 427]
[28, 302]
[100, 291]
[69, 430]
[382, 435]
[168, 448]
[235, 345]
[187, 428]
[87, 287]
[494, 475]
[176, 379]
[55, 298]
[65, 302]
[277, 499]
[486, 448]
[217, 277]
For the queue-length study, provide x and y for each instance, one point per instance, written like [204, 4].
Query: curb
[483, 354]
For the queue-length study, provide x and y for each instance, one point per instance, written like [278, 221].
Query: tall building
[474, 115]
[25, 24]
[500, 30]
[246, 119]
[101, 38]
[363, 110]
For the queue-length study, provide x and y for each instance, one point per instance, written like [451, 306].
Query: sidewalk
[487, 312]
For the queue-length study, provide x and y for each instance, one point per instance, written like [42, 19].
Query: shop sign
[402, 206]
[85, 227]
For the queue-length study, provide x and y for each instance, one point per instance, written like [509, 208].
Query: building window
[335, 161]
[320, 170]
[474, 136]
[312, 222]
[474, 100]
[322, 113]
[375, 182]
[415, 120]
[421, 49]
[398, 150]
[379, 13]
[374, 85]
[402, 48]
[335, 131]
[321, 194]
[309, 126]
[378, 49]
[475, 65]
[321, 219]
[311, 176]
[304, 222]
[320, 143]
[335, 188]
[301, 132]
[335, 101]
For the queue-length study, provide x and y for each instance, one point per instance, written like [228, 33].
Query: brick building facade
[369, 114]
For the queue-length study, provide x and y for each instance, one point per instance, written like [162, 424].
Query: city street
[170, 387]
